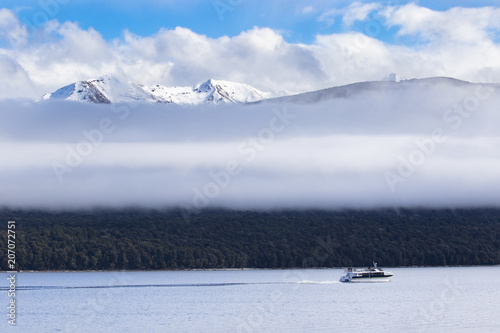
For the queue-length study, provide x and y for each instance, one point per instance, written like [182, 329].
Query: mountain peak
[206, 86]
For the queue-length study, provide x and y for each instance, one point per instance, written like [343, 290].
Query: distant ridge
[360, 87]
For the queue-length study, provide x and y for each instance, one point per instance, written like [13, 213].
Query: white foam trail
[317, 282]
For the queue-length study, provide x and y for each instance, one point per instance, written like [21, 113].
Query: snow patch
[393, 77]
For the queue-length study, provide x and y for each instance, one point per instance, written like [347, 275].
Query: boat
[371, 274]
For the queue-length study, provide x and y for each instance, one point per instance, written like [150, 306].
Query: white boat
[371, 274]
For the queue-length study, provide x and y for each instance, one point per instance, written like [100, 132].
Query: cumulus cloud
[464, 25]
[10, 27]
[432, 144]
[459, 42]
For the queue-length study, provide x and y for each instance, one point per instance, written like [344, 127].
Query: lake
[459, 299]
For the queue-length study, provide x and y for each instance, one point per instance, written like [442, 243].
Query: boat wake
[133, 286]
[318, 282]
[174, 285]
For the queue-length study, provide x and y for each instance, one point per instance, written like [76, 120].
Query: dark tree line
[156, 240]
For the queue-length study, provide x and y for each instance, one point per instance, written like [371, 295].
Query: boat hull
[379, 279]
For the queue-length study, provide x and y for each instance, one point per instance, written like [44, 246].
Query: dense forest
[157, 240]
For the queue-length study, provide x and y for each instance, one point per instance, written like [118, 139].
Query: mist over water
[423, 145]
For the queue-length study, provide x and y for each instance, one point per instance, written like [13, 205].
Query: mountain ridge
[108, 90]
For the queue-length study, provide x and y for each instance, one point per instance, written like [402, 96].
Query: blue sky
[212, 18]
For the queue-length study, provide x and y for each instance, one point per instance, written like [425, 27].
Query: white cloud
[358, 11]
[329, 16]
[462, 25]
[63, 53]
[10, 27]
[308, 10]
[14, 80]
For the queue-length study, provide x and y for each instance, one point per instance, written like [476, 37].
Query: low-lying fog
[438, 146]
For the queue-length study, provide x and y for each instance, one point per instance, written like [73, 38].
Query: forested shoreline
[136, 239]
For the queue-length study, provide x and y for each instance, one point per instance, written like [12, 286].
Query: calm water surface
[465, 299]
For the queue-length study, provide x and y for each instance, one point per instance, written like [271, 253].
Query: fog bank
[430, 147]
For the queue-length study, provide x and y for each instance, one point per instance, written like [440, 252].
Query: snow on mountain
[82, 91]
[107, 90]
[393, 77]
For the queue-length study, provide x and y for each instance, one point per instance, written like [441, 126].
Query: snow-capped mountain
[107, 90]
[110, 90]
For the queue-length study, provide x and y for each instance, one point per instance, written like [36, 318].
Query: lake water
[462, 299]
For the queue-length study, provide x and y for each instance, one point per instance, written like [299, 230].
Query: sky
[290, 46]
[416, 145]
[299, 20]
